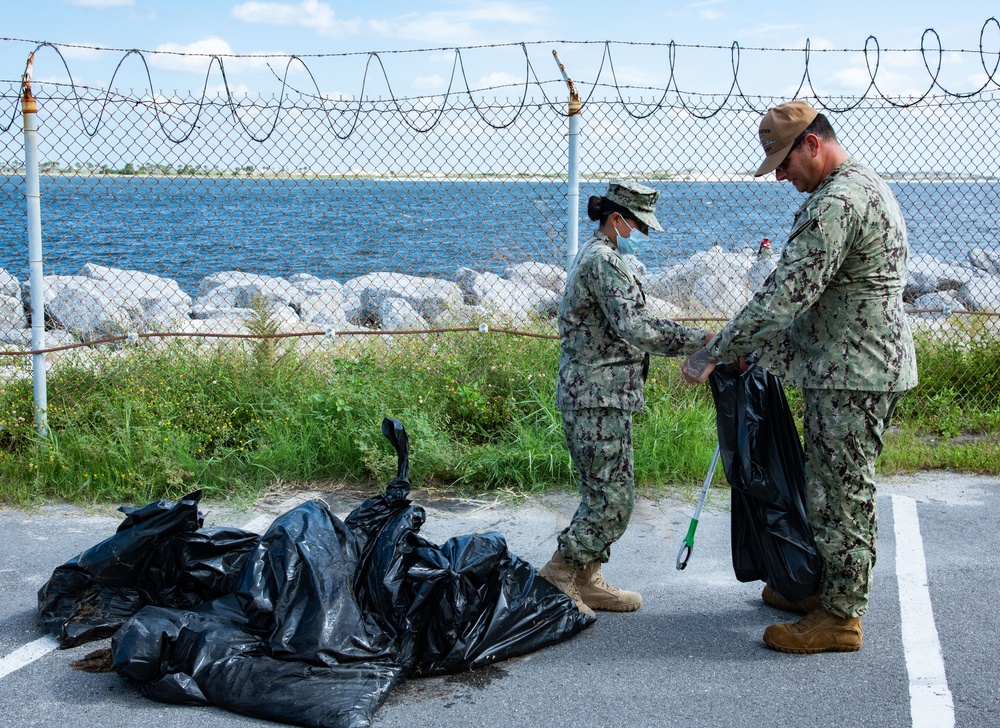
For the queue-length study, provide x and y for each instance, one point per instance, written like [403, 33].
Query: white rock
[662, 309]
[711, 281]
[162, 317]
[9, 285]
[759, 271]
[507, 301]
[986, 260]
[87, 309]
[671, 285]
[310, 285]
[396, 314]
[717, 295]
[636, 265]
[204, 313]
[428, 296]
[462, 315]
[981, 293]
[217, 325]
[937, 274]
[51, 285]
[325, 308]
[11, 313]
[20, 338]
[937, 305]
[234, 289]
[538, 274]
[137, 290]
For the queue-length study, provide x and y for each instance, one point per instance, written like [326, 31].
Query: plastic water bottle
[762, 267]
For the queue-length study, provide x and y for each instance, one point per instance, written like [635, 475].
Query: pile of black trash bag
[764, 464]
[312, 623]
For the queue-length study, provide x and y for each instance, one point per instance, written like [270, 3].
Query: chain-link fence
[338, 224]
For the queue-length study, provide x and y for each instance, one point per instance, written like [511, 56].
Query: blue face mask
[630, 244]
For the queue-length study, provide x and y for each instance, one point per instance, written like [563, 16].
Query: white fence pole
[573, 181]
[29, 109]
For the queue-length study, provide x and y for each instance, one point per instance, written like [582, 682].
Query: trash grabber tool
[685, 553]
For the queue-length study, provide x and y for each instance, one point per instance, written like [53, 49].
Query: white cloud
[77, 53]
[101, 3]
[711, 15]
[898, 60]
[195, 57]
[499, 78]
[459, 26]
[769, 31]
[312, 14]
[429, 83]
[977, 80]
[63, 80]
[889, 82]
[649, 76]
[237, 91]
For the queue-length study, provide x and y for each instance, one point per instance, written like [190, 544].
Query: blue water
[187, 228]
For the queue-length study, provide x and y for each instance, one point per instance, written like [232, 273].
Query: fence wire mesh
[335, 227]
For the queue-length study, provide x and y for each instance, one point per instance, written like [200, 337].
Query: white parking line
[27, 654]
[931, 704]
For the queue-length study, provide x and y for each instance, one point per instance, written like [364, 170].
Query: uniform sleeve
[624, 305]
[814, 252]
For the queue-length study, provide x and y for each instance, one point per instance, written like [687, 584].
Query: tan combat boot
[818, 631]
[599, 594]
[563, 575]
[803, 606]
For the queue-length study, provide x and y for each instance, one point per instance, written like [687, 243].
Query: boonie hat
[637, 199]
[778, 130]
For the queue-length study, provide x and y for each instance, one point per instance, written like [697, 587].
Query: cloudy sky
[323, 30]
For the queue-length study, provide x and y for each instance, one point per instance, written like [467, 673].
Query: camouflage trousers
[600, 445]
[842, 436]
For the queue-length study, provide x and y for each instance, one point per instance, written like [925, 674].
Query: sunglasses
[784, 162]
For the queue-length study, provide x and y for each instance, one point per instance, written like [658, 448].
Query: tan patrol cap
[778, 130]
[638, 199]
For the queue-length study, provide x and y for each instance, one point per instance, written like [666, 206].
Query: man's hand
[698, 366]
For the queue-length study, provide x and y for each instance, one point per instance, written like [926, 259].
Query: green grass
[239, 418]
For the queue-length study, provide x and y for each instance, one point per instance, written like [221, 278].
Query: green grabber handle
[685, 553]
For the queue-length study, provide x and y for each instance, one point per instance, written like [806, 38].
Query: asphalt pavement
[691, 656]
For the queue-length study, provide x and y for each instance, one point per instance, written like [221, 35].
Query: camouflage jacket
[606, 332]
[831, 315]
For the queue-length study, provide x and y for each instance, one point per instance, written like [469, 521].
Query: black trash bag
[474, 603]
[297, 592]
[327, 616]
[157, 556]
[763, 461]
[290, 645]
[446, 605]
[196, 567]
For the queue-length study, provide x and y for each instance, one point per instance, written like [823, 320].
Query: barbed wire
[733, 99]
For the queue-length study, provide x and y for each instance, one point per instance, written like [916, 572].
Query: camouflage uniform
[607, 336]
[830, 319]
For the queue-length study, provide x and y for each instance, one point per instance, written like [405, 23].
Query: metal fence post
[29, 109]
[573, 181]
